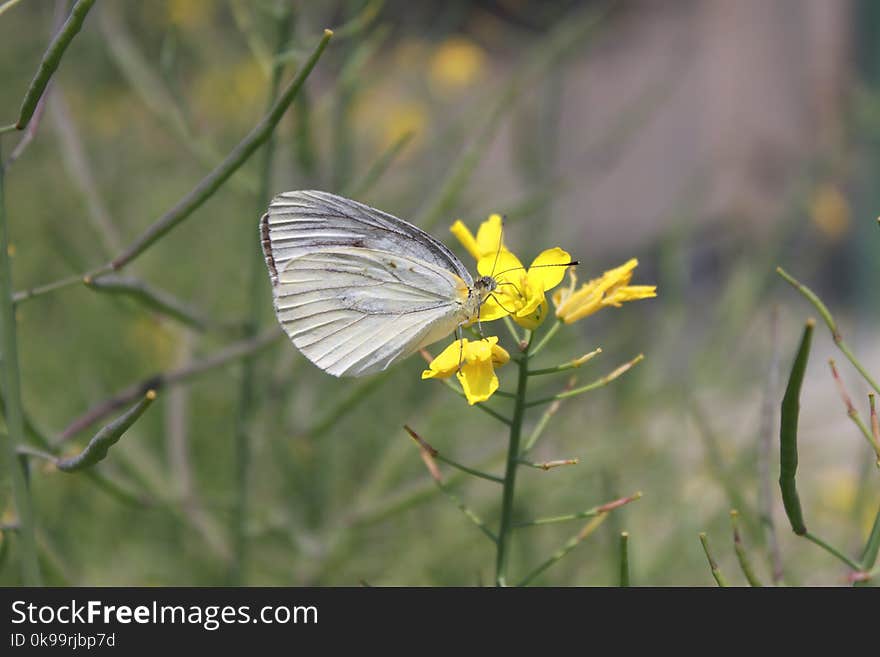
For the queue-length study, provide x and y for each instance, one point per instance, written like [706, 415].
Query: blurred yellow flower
[830, 212]
[611, 289]
[456, 64]
[401, 118]
[473, 363]
[189, 13]
[231, 92]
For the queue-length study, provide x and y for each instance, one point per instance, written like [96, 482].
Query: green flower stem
[570, 365]
[248, 394]
[513, 456]
[567, 547]
[455, 464]
[604, 381]
[742, 556]
[716, 572]
[589, 513]
[30, 567]
[832, 550]
[624, 559]
[511, 328]
[822, 309]
[547, 336]
[51, 60]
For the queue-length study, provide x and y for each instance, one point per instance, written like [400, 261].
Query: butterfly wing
[302, 222]
[354, 311]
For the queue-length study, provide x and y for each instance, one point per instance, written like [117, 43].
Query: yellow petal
[466, 238]
[491, 310]
[499, 354]
[499, 264]
[489, 236]
[535, 316]
[630, 293]
[548, 270]
[447, 362]
[478, 381]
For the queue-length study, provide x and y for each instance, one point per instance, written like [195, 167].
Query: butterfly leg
[460, 347]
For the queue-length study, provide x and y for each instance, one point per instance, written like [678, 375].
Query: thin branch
[589, 513]
[604, 381]
[435, 454]
[438, 480]
[159, 381]
[716, 572]
[853, 413]
[51, 60]
[567, 547]
[832, 325]
[570, 365]
[548, 465]
[742, 556]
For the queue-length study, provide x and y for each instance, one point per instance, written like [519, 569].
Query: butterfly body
[357, 289]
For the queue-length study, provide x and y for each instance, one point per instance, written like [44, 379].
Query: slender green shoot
[570, 365]
[464, 508]
[742, 556]
[101, 442]
[30, 567]
[589, 513]
[716, 572]
[423, 444]
[853, 413]
[567, 547]
[624, 559]
[51, 60]
[823, 311]
[598, 383]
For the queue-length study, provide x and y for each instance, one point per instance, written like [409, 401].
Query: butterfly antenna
[561, 264]
[498, 251]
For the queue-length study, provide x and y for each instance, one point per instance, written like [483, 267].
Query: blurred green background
[711, 139]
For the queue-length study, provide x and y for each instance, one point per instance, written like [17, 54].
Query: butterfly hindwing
[354, 311]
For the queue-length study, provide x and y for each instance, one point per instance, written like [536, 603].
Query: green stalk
[247, 392]
[513, 456]
[30, 567]
[624, 559]
[713, 566]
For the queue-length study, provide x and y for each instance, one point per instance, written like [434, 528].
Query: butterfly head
[484, 286]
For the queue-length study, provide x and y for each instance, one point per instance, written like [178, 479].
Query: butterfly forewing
[302, 222]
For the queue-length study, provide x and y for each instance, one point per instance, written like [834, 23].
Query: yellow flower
[520, 292]
[488, 239]
[473, 363]
[611, 289]
[830, 212]
[456, 64]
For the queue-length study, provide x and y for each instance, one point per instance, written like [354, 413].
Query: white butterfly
[357, 289]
